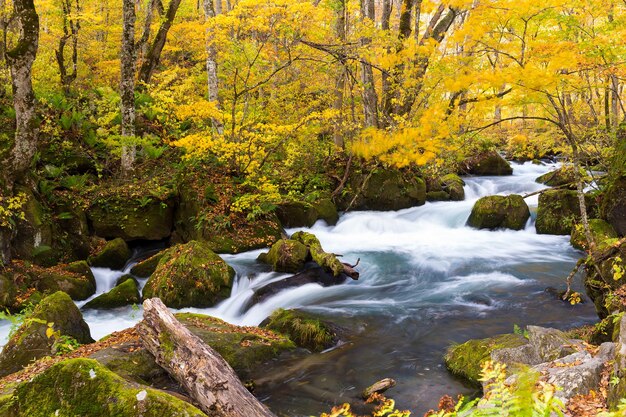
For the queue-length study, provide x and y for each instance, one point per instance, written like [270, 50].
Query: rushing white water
[422, 271]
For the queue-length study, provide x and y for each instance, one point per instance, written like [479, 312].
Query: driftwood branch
[204, 374]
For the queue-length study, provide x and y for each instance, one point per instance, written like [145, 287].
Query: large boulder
[121, 295]
[146, 218]
[383, 189]
[327, 211]
[146, 267]
[601, 231]
[493, 212]
[75, 279]
[304, 329]
[190, 275]
[296, 214]
[466, 360]
[453, 185]
[286, 255]
[83, 387]
[487, 163]
[8, 293]
[558, 210]
[33, 341]
[607, 289]
[244, 348]
[113, 255]
[614, 205]
[564, 176]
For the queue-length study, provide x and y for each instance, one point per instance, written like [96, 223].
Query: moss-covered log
[326, 260]
[204, 374]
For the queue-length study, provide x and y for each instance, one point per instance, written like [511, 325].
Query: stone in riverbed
[190, 275]
[558, 210]
[487, 163]
[31, 340]
[493, 212]
[560, 177]
[304, 329]
[75, 279]
[286, 255]
[600, 230]
[124, 294]
[114, 255]
[146, 267]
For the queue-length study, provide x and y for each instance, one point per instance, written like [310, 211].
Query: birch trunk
[127, 87]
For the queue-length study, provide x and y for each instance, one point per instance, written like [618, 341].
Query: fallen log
[326, 260]
[202, 372]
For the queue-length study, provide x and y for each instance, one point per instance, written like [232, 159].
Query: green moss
[123, 294]
[146, 267]
[327, 211]
[304, 329]
[31, 341]
[190, 275]
[488, 163]
[466, 360]
[83, 387]
[452, 184]
[492, 212]
[261, 233]
[287, 255]
[558, 210]
[296, 214]
[565, 175]
[8, 293]
[600, 230]
[437, 196]
[75, 279]
[114, 255]
[244, 348]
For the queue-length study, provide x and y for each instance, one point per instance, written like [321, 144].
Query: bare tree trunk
[20, 59]
[204, 374]
[71, 26]
[370, 99]
[127, 87]
[211, 65]
[154, 52]
[218, 6]
[614, 101]
[340, 83]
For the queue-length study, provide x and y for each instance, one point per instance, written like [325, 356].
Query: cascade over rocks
[190, 275]
[123, 294]
[114, 255]
[493, 212]
[487, 163]
[31, 342]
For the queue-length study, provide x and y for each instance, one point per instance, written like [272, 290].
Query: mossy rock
[190, 275]
[601, 231]
[244, 348]
[487, 163]
[146, 267]
[125, 278]
[614, 204]
[114, 255]
[75, 279]
[286, 255]
[565, 175]
[31, 342]
[453, 185]
[327, 211]
[148, 219]
[437, 196]
[33, 232]
[296, 214]
[494, 212]
[304, 329]
[8, 293]
[466, 360]
[559, 210]
[607, 291]
[124, 294]
[83, 387]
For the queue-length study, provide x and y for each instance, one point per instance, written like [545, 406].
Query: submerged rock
[558, 210]
[304, 329]
[114, 255]
[123, 294]
[286, 255]
[32, 341]
[493, 212]
[84, 387]
[190, 275]
[487, 163]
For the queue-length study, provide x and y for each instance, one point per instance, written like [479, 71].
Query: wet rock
[286, 255]
[437, 196]
[124, 294]
[452, 184]
[75, 279]
[114, 255]
[560, 177]
[487, 163]
[296, 214]
[303, 328]
[601, 288]
[558, 210]
[327, 211]
[31, 340]
[466, 360]
[101, 393]
[310, 276]
[378, 387]
[190, 275]
[146, 219]
[146, 267]
[493, 212]
[600, 230]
